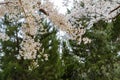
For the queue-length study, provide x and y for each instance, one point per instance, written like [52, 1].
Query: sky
[1, 0]
[59, 5]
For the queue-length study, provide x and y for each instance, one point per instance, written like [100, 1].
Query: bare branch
[116, 16]
[2, 3]
[114, 9]
[43, 11]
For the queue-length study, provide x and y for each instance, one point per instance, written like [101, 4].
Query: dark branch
[116, 16]
[114, 9]
[2, 3]
[43, 11]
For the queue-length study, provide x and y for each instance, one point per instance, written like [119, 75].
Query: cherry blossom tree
[29, 16]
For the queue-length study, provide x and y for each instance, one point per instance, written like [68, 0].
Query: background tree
[96, 60]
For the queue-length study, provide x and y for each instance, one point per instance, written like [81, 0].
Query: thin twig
[116, 16]
[43, 11]
[114, 9]
[22, 8]
[2, 3]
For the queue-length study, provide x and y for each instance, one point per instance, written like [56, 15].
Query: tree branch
[43, 11]
[2, 3]
[114, 9]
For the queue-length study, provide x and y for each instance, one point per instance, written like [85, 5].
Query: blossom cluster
[28, 46]
[86, 40]
[93, 11]
[62, 22]
[4, 37]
